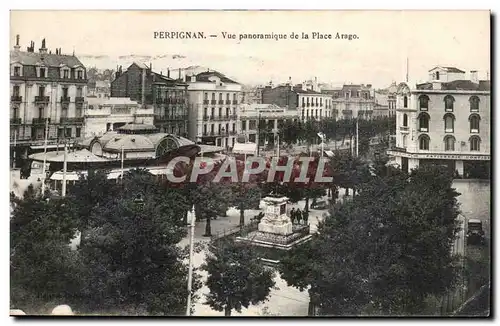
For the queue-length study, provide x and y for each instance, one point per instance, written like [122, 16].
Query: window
[227, 97]
[65, 92]
[220, 96]
[60, 133]
[15, 91]
[15, 113]
[78, 132]
[78, 112]
[405, 120]
[449, 143]
[227, 111]
[405, 101]
[474, 104]
[205, 112]
[424, 142]
[234, 126]
[449, 120]
[448, 103]
[213, 112]
[423, 122]
[67, 133]
[404, 141]
[213, 96]
[205, 129]
[41, 91]
[79, 76]
[42, 72]
[79, 92]
[474, 123]
[206, 97]
[423, 102]
[65, 73]
[64, 112]
[234, 97]
[475, 143]
[40, 112]
[437, 75]
[220, 112]
[17, 71]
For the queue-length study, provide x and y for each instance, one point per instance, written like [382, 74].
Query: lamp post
[258, 135]
[191, 250]
[45, 144]
[65, 165]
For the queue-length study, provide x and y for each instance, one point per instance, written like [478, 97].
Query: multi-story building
[385, 101]
[214, 101]
[306, 97]
[251, 95]
[48, 97]
[166, 96]
[352, 101]
[445, 121]
[108, 114]
[99, 88]
[269, 115]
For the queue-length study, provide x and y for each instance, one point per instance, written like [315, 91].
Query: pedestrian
[305, 217]
[292, 215]
[299, 215]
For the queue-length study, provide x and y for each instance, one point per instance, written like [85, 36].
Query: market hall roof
[83, 155]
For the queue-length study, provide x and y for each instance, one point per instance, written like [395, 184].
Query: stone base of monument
[271, 246]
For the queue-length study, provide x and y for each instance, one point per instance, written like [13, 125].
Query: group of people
[298, 216]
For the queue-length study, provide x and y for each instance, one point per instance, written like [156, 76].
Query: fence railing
[236, 231]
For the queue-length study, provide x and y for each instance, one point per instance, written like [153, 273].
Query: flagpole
[190, 273]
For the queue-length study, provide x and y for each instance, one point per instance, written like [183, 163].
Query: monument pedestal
[276, 233]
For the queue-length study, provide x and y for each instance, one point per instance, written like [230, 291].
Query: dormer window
[437, 75]
[42, 72]
[79, 74]
[17, 70]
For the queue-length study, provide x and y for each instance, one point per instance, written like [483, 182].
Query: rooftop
[459, 85]
[205, 77]
[449, 69]
[48, 59]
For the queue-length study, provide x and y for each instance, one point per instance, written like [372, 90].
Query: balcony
[346, 111]
[15, 121]
[73, 120]
[235, 102]
[234, 117]
[40, 121]
[228, 102]
[205, 102]
[16, 98]
[404, 129]
[399, 149]
[213, 102]
[232, 133]
[160, 101]
[221, 102]
[65, 99]
[206, 118]
[42, 99]
[79, 99]
[211, 133]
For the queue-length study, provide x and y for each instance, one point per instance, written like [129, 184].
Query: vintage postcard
[250, 163]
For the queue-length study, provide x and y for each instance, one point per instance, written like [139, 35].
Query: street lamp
[192, 216]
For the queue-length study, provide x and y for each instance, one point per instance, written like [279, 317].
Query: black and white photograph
[250, 163]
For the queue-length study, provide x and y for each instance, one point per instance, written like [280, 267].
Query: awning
[245, 148]
[81, 156]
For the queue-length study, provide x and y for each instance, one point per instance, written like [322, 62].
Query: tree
[132, 257]
[42, 266]
[236, 277]
[390, 247]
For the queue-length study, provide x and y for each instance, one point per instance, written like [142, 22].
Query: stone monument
[275, 232]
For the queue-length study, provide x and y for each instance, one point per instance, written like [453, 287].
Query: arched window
[449, 143]
[475, 143]
[423, 102]
[405, 120]
[448, 103]
[423, 141]
[405, 101]
[474, 123]
[449, 122]
[474, 104]
[423, 122]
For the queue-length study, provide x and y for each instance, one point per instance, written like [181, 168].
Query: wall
[281, 96]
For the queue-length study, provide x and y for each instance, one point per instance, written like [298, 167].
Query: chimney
[179, 73]
[43, 49]
[168, 72]
[473, 76]
[17, 47]
[369, 85]
[193, 78]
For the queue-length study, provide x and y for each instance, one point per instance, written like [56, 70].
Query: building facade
[99, 89]
[352, 101]
[47, 99]
[214, 101]
[269, 116]
[305, 97]
[167, 97]
[108, 114]
[385, 101]
[445, 121]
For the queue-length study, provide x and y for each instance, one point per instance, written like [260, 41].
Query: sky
[387, 40]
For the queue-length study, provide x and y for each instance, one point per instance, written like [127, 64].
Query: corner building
[446, 122]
